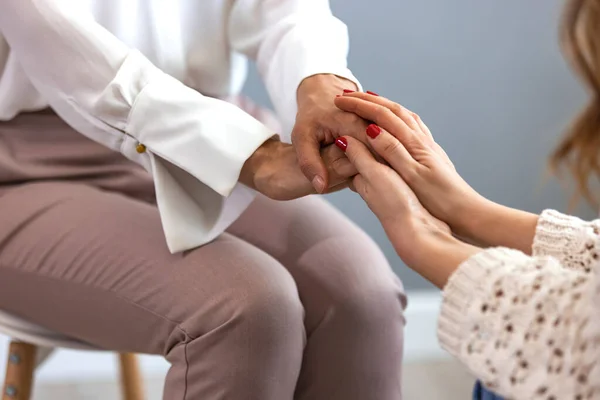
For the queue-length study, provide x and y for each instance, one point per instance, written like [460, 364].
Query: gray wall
[487, 77]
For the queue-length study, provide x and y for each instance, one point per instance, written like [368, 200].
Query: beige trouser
[293, 301]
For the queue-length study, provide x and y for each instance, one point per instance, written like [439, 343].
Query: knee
[373, 305]
[259, 302]
[270, 309]
[362, 287]
[248, 316]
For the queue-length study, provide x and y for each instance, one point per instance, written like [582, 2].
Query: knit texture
[529, 327]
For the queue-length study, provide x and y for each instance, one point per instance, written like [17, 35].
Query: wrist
[443, 255]
[428, 248]
[471, 216]
[490, 224]
[317, 84]
[258, 160]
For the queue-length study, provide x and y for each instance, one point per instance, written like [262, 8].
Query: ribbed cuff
[556, 232]
[468, 283]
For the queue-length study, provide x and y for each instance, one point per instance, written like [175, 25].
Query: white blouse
[130, 72]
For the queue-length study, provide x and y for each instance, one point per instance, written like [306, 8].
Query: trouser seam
[187, 367]
[188, 337]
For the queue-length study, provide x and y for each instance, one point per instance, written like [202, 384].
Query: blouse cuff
[194, 146]
[209, 138]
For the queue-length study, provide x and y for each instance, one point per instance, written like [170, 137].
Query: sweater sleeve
[529, 327]
[568, 239]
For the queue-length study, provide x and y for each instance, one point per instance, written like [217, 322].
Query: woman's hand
[431, 175]
[319, 122]
[421, 240]
[273, 170]
[427, 169]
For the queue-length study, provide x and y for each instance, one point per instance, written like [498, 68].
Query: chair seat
[25, 331]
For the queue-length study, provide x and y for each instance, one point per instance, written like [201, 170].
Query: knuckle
[346, 119]
[410, 175]
[352, 118]
[297, 136]
[414, 143]
[389, 174]
[382, 113]
[391, 147]
[407, 116]
[397, 109]
[358, 183]
[339, 166]
[373, 171]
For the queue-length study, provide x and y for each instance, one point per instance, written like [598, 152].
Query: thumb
[359, 155]
[339, 168]
[308, 153]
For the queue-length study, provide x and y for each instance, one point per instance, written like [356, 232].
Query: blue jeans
[481, 393]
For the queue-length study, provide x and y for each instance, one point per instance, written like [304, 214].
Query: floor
[443, 380]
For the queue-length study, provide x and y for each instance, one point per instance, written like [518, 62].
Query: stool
[32, 344]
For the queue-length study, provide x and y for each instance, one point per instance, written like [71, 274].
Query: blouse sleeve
[193, 145]
[290, 41]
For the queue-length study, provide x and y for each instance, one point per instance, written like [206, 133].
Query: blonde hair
[579, 149]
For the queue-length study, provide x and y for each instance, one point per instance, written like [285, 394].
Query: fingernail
[319, 184]
[372, 93]
[373, 131]
[342, 143]
[348, 91]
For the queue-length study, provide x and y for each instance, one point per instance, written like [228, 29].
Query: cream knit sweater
[529, 327]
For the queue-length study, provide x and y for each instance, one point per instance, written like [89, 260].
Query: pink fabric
[293, 301]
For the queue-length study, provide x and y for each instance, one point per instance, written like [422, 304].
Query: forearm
[492, 225]
[438, 256]
[446, 257]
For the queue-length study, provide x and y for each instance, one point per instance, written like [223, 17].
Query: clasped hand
[274, 171]
[417, 195]
[312, 164]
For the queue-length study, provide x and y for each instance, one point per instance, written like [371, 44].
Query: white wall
[488, 78]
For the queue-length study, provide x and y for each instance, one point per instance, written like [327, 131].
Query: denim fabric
[481, 393]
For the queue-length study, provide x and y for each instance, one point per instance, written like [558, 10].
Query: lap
[94, 264]
[331, 259]
[293, 231]
[90, 263]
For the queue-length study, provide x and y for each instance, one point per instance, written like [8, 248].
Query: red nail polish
[342, 143]
[348, 91]
[373, 131]
[372, 93]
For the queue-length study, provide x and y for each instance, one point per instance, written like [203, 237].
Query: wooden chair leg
[19, 371]
[131, 378]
